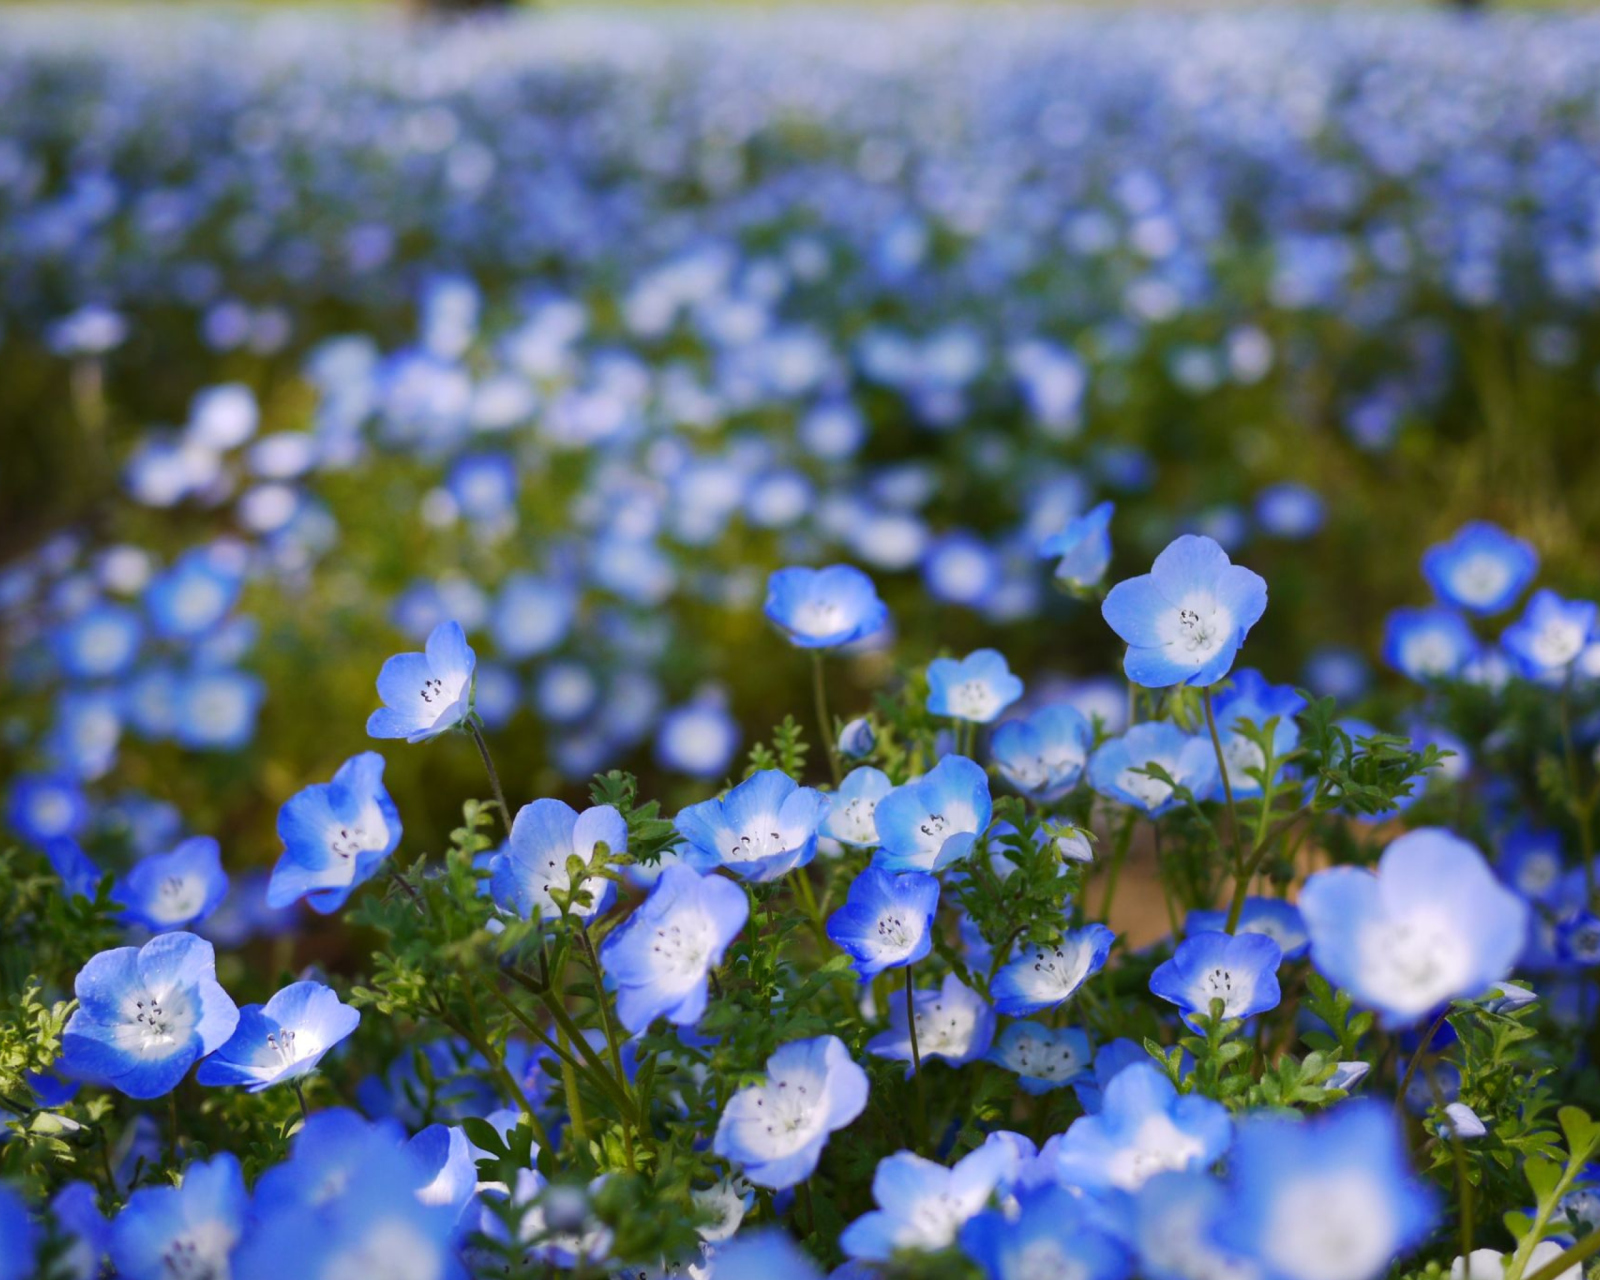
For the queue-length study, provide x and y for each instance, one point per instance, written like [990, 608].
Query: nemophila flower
[44, 807]
[335, 835]
[1240, 970]
[1433, 643]
[1174, 1229]
[425, 694]
[1052, 1234]
[766, 1254]
[174, 890]
[1550, 633]
[857, 739]
[1329, 1198]
[1461, 1121]
[660, 955]
[852, 817]
[19, 1237]
[532, 615]
[824, 608]
[187, 1230]
[1043, 754]
[447, 1161]
[886, 920]
[1289, 510]
[762, 829]
[216, 709]
[1279, 920]
[953, 1022]
[1185, 620]
[1041, 977]
[934, 820]
[82, 741]
[281, 1040]
[1481, 569]
[1043, 1057]
[484, 486]
[1117, 770]
[723, 1205]
[85, 1233]
[100, 643]
[776, 1130]
[146, 1014]
[1084, 547]
[1144, 1127]
[1249, 698]
[698, 739]
[194, 595]
[546, 834]
[977, 688]
[1578, 940]
[1532, 861]
[1433, 924]
[330, 1152]
[1491, 1264]
[921, 1204]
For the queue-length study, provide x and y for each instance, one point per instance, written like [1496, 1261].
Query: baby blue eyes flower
[18, 1237]
[1185, 620]
[187, 1230]
[545, 835]
[1053, 1234]
[922, 1205]
[886, 920]
[660, 956]
[281, 1040]
[825, 608]
[1432, 925]
[1532, 861]
[1329, 1198]
[1239, 970]
[953, 1022]
[44, 807]
[761, 830]
[977, 688]
[100, 643]
[933, 821]
[1550, 633]
[1482, 569]
[1044, 1058]
[1041, 977]
[1434, 643]
[776, 1130]
[1249, 698]
[1174, 1229]
[1117, 768]
[1043, 754]
[852, 817]
[174, 890]
[857, 739]
[425, 694]
[146, 1015]
[335, 835]
[1279, 920]
[1084, 547]
[194, 595]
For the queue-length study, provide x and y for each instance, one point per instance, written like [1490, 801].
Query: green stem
[819, 691]
[1582, 810]
[599, 1078]
[612, 1041]
[916, 1060]
[1416, 1058]
[1227, 786]
[488, 764]
[1119, 855]
[569, 1082]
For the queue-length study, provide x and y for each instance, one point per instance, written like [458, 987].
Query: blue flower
[660, 955]
[1249, 697]
[425, 694]
[1084, 546]
[331, 1150]
[1434, 643]
[145, 1015]
[1185, 620]
[1174, 1229]
[825, 608]
[1043, 1057]
[545, 835]
[852, 817]
[1043, 754]
[1341, 1178]
[100, 643]
[1144, 1127]
[1041, 977]
[174, 890]
[283, 1039]
[1051, 1234]
[216, 710]
[18, 1237]
[922, 1205]
[189, 1229]
[1116, 770]
[857, 739]
[44, 807]
[484, 486]
[1432, 925]
[1532, 861]
[698, 739]
[1482, 569]
[977, 688]
[776, 1130]
[448, 1161]
[194, 595]
[766, 1254]
[761, 830]
[1240, 970]
[1289, 510]
[1550, 633]
[953, 1022]
[84, 1231]
[335, 835]
[886, 920]
[532, 615]
[934, 820]
[1279, 920]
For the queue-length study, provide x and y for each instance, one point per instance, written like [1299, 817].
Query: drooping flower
[190, 1229]
[1481, 569]
[1241, 970]
[425, 694]
[1249, 697]
[977, 688]
[1053, 1233]
[934, 820]
[776, 1130]
[281, 1040]
[660, 955]
[335, 835]
[1276, 919]
[921, 1204]
[1041, 977]
[1117, 768]
[857, 739]
[1434, 643]
[545, 835]
[146, 1014]
[886, 920]
[762, 829]
[825, 608]
[953, 1022]
[1433, 924]
[1550, 633]
[1043, 1058]
[852, 817]
[1042, 755]
[1084, 546]
[1185, 620]
[174, 890]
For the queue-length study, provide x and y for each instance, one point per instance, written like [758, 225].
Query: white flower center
[156, 1023]
[857, 821]
[1430, 653]
[1158, 1146]
[1481, 578]
[1044, 1260]
[753, 846]
[393, 1248]
[1233, 989]
[792, 1111]
[1043, 1059]
[894, 936]
[177, 899]
[1557, 643]
[1416, 962]
[818, 618]
[682, 946]
[973, 700]
[1337, 1226]
[1150, 792]
[200, 1253]
[944, 1029]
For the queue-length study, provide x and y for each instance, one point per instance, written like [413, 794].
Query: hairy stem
[494, 776]
[819, 691]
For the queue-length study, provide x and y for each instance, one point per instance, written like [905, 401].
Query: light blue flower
[189, 1229]
[698, 738]
[825, 608]
[1185, 620]
[1482, 568]
[1550, 633]
[1434, 643]
[193, 596]
[44, 807]
[1432, 925]
[1042, 754]
[545, 835]
[101, 643]
[84, 1231]
[762, 829]
[1045, 1058]
[1174, 1229]
[174, 890]
[776, 1130]
[1249, 697]
[448, 1162]
[87, 729]
[1041, 977]
[660, 955]
[1084, 546]
[886, 920]
[1117, 768]
[923, 1205]
[857, 739]
[766, 1254]
[1279, 920]
[976, 689]
[1240, 970]
[1052, 1233]
[425, 694]
[146, 1014]
[953, 1022]
[484, 486]
[532, 615]
[281, 1040]
[335, 835]
[934, 820]
[216, 709]
[18, 1237]
[1289, 510]
[333, 1149]
[852, 817]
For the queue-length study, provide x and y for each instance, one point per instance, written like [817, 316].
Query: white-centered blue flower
[1044, 1058]
[1052, 1235]
[1481, 569]
[1550, 633]
[1532, 861]
[44, 807]
[762, 829]
[825, 608]
[546, 834]
[886, 920]
[1250, 699]
[194, 595]
[1118, 770]
[954, 1023]
[101, 643]
[776, 1130]
[921, 1204]
[1043, 976]
[1185, 620]
[335, 836]
[187, 1230]
[1175, 1217]
[1084, 548]
[976, 688]
[1042, 755]
[174, 890]
[1433, 643]
[427, 693]
[934, 820]
[852, 817]
[281, 1040]
[1241, 970]
[1274, 917]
